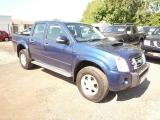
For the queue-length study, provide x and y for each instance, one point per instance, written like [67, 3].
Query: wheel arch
[20, 47]
[85, 63]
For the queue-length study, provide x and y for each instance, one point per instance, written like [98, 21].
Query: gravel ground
[40, 94]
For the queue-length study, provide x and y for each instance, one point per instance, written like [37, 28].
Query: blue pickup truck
[81, 52]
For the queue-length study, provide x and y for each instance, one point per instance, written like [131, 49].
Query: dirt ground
[40, 94]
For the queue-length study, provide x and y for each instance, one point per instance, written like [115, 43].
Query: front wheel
[92, 83]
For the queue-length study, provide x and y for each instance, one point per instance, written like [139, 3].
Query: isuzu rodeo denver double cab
[80, 51]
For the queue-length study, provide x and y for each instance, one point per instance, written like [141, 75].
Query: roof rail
[129, 23]
[123, 23]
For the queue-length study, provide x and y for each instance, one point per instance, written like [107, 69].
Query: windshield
[84, 33]
[114, 29]
[157, 32]
[147, 29]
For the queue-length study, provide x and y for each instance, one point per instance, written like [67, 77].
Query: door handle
[32, 41]
[46, 44]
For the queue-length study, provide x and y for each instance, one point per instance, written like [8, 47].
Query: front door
[57, 54]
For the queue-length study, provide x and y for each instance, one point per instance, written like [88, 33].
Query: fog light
[125, 81]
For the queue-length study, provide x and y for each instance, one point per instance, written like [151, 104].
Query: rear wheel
[24, 59]
[6, 39]
[92, 83]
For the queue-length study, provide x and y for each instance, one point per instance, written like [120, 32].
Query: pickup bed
[80, 51]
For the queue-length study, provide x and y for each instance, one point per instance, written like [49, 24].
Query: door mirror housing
[129, 32]
[62, 40]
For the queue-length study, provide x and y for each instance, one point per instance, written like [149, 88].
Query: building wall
[13, 26]
[19, 25]
[6, 23]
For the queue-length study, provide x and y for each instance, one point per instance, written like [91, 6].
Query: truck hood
[116, 48]
[153, 37]
[116, 35]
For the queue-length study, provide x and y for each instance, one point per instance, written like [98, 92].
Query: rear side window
[39, 31]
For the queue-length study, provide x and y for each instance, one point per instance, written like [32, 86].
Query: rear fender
[25, 45]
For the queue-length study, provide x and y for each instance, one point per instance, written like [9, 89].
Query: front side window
[83, 32]
[55, 31]
[39, 31]
[129, 30]
[135, 30]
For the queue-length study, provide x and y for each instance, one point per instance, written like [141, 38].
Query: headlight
[144, 58]
[122, 65]
[111, 38]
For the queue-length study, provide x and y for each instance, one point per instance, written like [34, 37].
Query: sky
[65, 10]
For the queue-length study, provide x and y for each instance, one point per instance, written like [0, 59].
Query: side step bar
[52, 68]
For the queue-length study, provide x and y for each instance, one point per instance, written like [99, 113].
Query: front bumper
[151, 51]
[120, 81]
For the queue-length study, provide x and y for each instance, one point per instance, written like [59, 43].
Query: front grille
[158, 43]
[138, 61]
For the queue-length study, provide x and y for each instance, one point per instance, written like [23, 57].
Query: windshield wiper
[92, 40]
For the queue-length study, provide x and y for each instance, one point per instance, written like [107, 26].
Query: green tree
[121, 11]
[92, 8]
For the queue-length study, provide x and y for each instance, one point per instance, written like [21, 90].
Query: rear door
[57, 54]
[36, 41]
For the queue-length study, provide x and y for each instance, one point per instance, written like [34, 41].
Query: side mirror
[62, 40]
[129, 32]
[121, 40]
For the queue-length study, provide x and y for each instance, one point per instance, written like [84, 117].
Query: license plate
[146, 42]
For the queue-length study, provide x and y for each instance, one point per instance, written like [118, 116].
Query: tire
[24, 59]
[98, 81]
[6, 39]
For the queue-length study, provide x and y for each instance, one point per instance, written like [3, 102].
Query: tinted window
[55, 31]
[147, 29]
[135, 30]
[128, 29]
[39, 30]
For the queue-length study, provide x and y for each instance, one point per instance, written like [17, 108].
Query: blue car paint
[68, 57]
